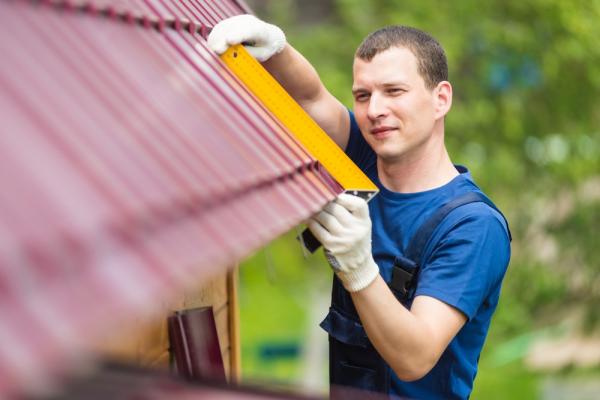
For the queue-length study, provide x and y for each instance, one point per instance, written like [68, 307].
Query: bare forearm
[302, 82]
[295, 74]
[399, 336]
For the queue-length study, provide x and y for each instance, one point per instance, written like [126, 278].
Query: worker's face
[396, 113]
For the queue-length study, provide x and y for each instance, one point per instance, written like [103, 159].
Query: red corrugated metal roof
[114, 381]
[134, 163]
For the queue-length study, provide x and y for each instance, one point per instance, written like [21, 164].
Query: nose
[377, 107]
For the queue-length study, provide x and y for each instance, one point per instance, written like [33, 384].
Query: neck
[422, 170]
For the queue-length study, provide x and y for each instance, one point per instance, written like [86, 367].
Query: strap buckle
[403, 276]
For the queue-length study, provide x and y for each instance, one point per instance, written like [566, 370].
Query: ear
[442, 97]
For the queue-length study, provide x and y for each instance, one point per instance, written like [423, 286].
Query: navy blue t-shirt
[463, 265]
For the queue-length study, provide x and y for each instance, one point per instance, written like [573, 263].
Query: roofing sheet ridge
[306, 163]
[191, 15]
[243, 6]
[323, 176]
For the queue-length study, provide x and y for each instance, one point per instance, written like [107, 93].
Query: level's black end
[366, 195]
[309, 241]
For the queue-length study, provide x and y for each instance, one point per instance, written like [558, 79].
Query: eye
[395, 91]
[361, 97]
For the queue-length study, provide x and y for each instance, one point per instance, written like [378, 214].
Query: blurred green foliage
[279, 286]
[525, 120]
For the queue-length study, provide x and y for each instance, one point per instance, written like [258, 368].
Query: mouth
[382, 131]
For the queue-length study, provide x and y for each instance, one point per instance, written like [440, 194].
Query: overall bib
[353, 361]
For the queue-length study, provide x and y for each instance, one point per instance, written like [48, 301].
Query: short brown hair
[431, 58]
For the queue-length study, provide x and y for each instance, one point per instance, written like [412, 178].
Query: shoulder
[358, 149]
[476, 228]
[478, 213]
[478, 217]
[467, 258]
[475, 235]
[355, 139]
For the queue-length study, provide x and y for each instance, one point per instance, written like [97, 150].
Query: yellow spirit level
[275, 98]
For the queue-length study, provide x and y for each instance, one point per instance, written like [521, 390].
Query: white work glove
[262, 40]
[344, 230]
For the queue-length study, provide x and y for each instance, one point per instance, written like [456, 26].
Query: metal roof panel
[135, 164]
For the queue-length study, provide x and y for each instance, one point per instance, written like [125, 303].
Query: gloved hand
[344, 230]
[262, 40]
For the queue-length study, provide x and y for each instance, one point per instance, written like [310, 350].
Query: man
[418, 269]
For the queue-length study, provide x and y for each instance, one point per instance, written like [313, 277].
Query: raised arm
[267, 43]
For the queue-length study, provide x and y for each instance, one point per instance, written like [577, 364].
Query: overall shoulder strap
[405, 270]
[418, 242]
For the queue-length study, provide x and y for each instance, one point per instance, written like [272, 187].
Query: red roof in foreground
[124, 382]
[133, 164]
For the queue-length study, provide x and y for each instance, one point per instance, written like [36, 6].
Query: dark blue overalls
[353, 361]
